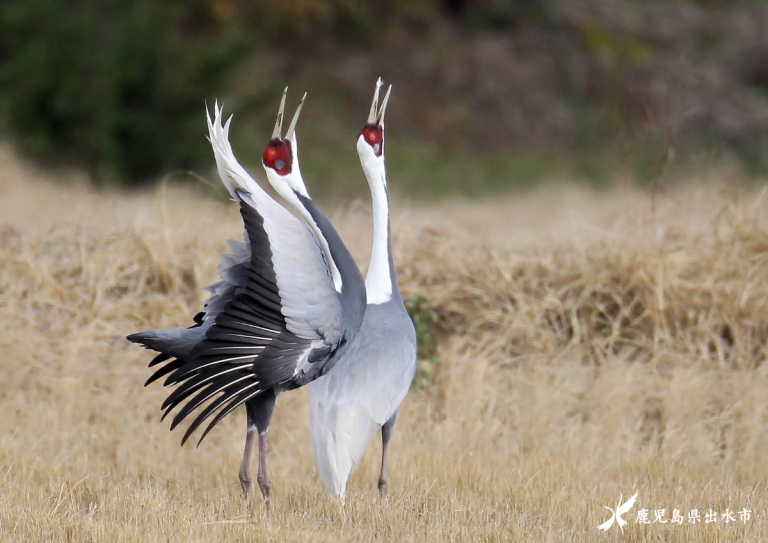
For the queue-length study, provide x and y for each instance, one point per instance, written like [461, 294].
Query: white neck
[378, 281]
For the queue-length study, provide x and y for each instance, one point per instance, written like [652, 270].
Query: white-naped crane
[363, 392]
[289, 303]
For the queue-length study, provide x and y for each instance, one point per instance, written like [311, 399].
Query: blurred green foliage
[116, 86]
[423, 318]
[487, 92]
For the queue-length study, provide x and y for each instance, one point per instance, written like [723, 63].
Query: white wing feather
[310, 303]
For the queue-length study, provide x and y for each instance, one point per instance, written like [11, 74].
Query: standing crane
[289, 304]
[363, 392]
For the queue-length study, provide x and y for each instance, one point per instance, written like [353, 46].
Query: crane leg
[245, 467]
[259, 411]
[386, 434]
[263, 475]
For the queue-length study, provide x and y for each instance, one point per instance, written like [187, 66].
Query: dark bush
[117, 86]
[504, 91]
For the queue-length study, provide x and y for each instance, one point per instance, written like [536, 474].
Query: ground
[590, 345]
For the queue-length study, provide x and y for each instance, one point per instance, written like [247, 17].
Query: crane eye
[278, 156]
[374, 136]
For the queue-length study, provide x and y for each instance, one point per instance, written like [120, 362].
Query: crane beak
[279, 122]
[375, 103]
[292, 128]
[383, 110]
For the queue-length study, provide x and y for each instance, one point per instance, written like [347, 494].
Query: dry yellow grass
[591, 348]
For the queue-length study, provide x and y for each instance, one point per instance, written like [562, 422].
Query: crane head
[281, 154]
[278, 155]
[373, 132]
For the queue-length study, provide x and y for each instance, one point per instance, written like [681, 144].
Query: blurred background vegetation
[487, 93]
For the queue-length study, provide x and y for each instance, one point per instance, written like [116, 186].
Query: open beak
[375, 103]
[292, 128]
[383, 109]
[279, 123]
[281, 113]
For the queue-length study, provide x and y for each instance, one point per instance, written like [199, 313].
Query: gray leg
[245, 467]
[263, 476]
[386, 433]
[259, 412]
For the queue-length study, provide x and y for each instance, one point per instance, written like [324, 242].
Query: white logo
[616, 515]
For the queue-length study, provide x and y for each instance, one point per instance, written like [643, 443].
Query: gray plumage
[363, 392]
[289, 303]
[178, 342]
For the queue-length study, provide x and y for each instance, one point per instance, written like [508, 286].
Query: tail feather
[142, 338]
[340, 436]
[172, 342]
[156, 340]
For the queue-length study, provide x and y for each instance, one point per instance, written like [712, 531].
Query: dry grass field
[589, 346]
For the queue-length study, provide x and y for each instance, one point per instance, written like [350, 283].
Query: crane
[363, 392]
[289, 303]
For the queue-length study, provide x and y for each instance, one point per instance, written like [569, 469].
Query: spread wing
[176, 344]
[283, 321]
[302, 272]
